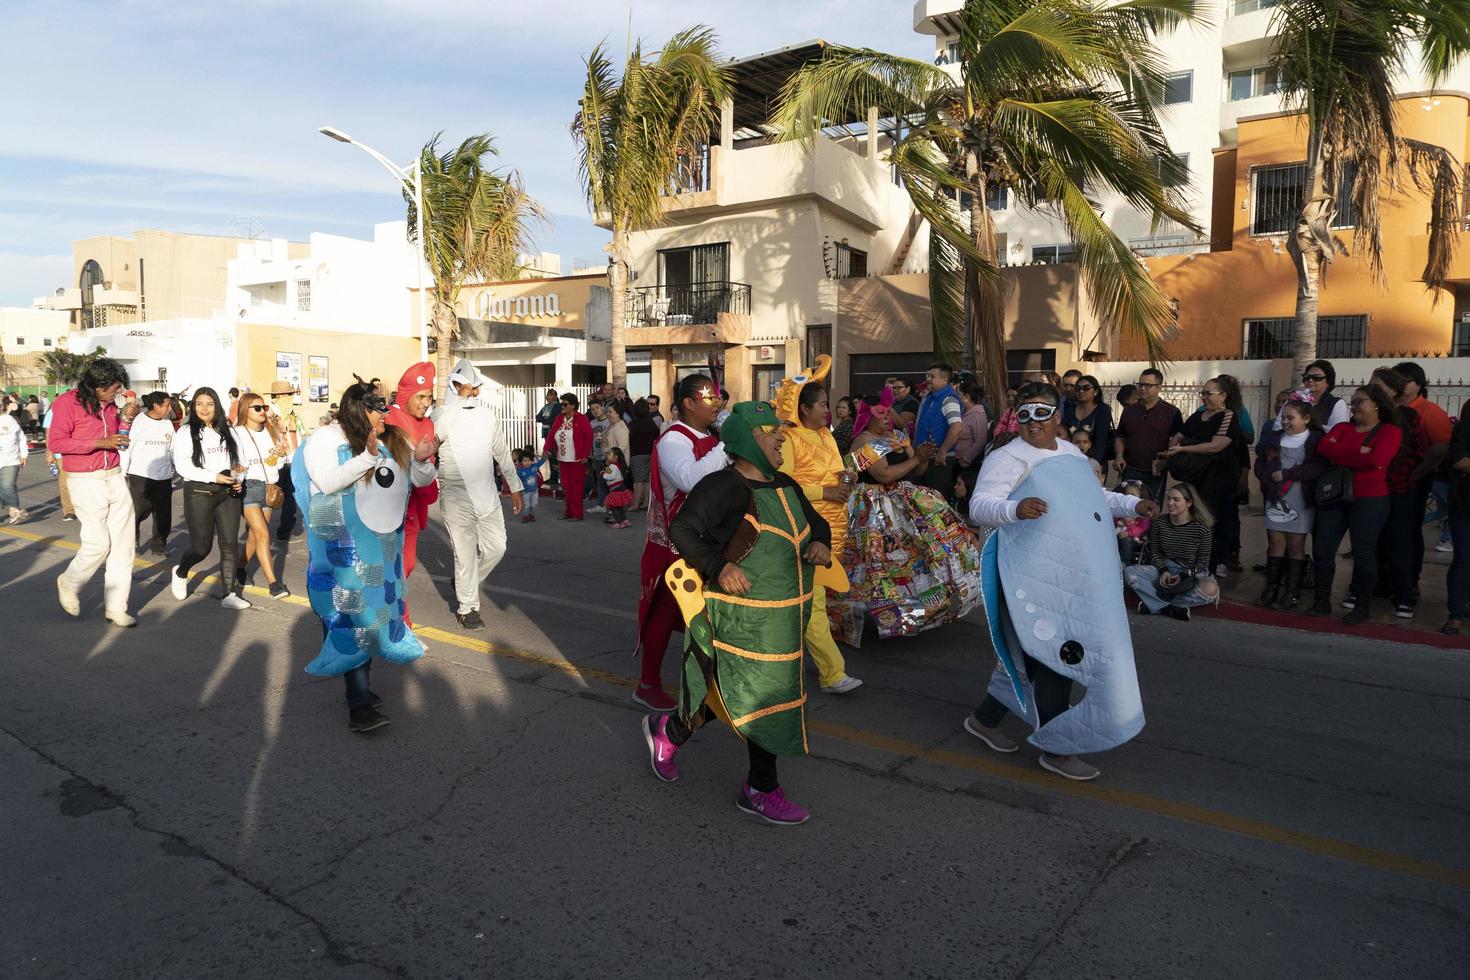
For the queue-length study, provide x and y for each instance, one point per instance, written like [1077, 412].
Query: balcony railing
[686, 305]
[692, 174]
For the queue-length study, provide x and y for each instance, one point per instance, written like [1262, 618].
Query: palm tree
[1336, 60]
[66, 367]
[476, 222]
[1056, 103]
[632, 134]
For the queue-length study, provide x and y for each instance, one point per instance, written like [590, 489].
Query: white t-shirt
[150, 448]
[215, 455]
[678, 469]
[1006, 469]
[13, 446]
[255, 449]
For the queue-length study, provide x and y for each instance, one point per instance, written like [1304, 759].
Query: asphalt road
[181, 800]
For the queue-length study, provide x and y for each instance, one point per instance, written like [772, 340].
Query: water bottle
[54, 470]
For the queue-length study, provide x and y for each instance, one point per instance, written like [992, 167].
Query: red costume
[658, 613]
[573, 474]
[419, 377]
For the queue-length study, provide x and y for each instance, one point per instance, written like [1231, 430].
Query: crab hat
[419, 377]
[788, 395]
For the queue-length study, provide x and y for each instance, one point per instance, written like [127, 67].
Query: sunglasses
[1205, 392]
[259, 408]
[1314, 377]
[1035, 413]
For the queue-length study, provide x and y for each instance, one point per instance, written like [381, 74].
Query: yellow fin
[688, 589]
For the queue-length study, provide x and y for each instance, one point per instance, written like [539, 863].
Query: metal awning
[758, 79]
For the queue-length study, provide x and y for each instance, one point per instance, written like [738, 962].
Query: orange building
[1238, 299]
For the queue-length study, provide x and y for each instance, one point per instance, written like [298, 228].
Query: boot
[1309, 573]
[1291, 596]
[1273, 581]
[1322, 592]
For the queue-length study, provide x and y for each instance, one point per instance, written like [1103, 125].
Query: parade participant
[352, 483]
[410, 415]
[471, 441]
[809, 456]
[83, 433]
[288, 420]
[570, 444]
[263, 450]
[1053, 598]
[681, 457]
[207, 457]
[13, 453]
[528, 468]
[149, 464]
[751, 538]
[912, 561]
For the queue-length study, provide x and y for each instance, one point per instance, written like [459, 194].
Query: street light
[411, 179]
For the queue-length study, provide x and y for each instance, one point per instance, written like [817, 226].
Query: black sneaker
[1178, 612]
[1357, 616]
[279, 590]
[1350, 602]
[68, 517]
[365, 719]
[1403, 611]
[1143, 610]
[470, 620]
[158, 548]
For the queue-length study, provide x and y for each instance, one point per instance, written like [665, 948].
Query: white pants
[104, 507]
[477, 537]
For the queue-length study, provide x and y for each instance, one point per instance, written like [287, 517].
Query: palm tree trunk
[1307, 253]
[617, 284]
[985, 349]
[446, 328]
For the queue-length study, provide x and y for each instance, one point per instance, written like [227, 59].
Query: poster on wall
[317, 379]
[288, 369]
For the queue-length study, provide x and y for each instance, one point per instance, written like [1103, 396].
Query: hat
[865, 412]
[419, 377]
[465, 373]
[738, 433]
[788, 395]
[282, 388]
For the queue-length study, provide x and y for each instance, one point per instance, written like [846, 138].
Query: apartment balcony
[62, 299]
[696, 313]
[1459, 271]
[937, 16]
[1248, 24]
[105, 296]
[1232, 112]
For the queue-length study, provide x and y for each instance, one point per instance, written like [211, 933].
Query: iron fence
[686, 304]
[517, 408]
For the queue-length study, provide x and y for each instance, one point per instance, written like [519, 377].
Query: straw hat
[282, 388]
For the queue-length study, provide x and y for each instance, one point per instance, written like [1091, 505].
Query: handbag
[274, 495]
[1335, 485]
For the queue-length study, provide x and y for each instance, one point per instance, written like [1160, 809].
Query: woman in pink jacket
[84, 434]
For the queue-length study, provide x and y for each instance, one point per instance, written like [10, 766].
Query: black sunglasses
[1314, 377]
[259, 408]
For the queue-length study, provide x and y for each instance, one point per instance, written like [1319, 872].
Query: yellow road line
[1358, 854]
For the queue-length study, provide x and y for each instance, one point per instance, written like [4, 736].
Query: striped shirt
[1188, 544]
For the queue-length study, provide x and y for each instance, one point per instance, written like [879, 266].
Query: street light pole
[413, 180]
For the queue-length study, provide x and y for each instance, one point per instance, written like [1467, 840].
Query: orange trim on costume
[758, 603]
[752, 655]
[773, 709]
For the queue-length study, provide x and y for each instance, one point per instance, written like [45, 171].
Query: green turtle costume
[743, 654]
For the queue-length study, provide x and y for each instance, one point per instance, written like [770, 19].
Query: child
[1132, 530]
[618, 494]
[528, 468]
[1082, 439]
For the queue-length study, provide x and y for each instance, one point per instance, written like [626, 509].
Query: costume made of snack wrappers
[913, 562]
[354, 572]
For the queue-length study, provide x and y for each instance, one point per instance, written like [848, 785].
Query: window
[852, 263]
[1462, 336]
[1175, 179]
[1249, 83]
[1020, 363]
[1179, 88]
[1278, 198]
[303, 295]
[1051, 254]
[818, 341]
[997, 198]
[1251, 6]
[20, 341]
[46, 342]
[1337, 336]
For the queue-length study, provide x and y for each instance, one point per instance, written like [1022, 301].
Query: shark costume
[354, 506]
[1054, 601]
[471, 440]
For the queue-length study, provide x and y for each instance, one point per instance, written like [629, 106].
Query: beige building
[540, 331]
[26, 334]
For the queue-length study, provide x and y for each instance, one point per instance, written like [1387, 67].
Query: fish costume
[1053, 593]
[354, 573]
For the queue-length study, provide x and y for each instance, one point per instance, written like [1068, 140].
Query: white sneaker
[1444, 545]
[1069, 766]
[178, 584]
[844, 684]
[121, 619]
[18, 514]
[232, 601]
[71, 603]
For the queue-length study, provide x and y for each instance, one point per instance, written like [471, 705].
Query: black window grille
[852, 263]
[1278, 198]
[1337, 336]
[818, 341]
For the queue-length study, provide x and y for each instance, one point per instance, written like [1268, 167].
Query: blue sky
[132, 114]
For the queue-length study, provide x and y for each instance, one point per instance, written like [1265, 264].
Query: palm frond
[845, 83]
[947, 298]
[1439, 176]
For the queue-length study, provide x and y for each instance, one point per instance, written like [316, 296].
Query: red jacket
[74, 433]
[1343, 446]
[581, 436]
[417, 430]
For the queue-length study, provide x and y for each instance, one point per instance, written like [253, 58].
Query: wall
[19, 323]
[348, 353]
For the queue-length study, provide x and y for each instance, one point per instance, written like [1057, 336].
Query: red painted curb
[1266, 616]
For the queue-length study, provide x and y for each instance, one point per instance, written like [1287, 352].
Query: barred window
[1462, 336]
[1278, 198]
[852, 263]
[303, 295]
[1337, 336]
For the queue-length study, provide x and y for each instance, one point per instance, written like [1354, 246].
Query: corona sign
[488, 306]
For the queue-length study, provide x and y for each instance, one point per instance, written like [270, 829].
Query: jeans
[9, 496]
[528, 502]
[1457, 584]
[1052, 691]
[1154, 484]
[762, 773]
[1144, 581]
[358, 680]
[1363, 519]
[1129, 549]
[1395, 548]
[1420, 497]
[209, 510]
[599, 486]
[154, 497]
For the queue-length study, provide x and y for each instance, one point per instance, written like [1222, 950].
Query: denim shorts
[255, 493]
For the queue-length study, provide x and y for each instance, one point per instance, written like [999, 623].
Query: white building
[32, 331]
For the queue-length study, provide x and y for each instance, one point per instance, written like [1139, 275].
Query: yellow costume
[810, 457]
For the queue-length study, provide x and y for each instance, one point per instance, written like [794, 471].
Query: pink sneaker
[661, 751]
[772, 807]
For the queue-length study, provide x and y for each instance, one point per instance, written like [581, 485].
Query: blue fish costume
[354, 572]
[1053, 592]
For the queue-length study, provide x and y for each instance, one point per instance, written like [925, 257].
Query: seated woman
[752, 536]
[1178, 550]
[913, 562]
